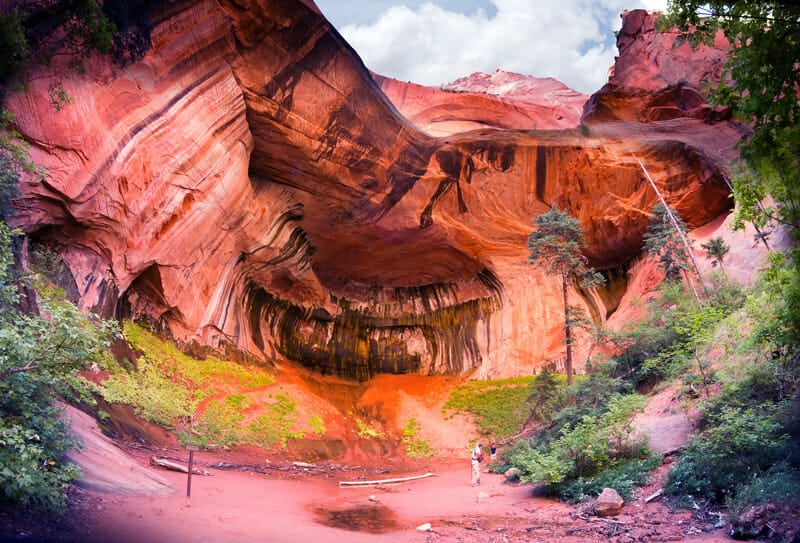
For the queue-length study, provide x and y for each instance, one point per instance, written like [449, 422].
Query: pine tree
[556, 247]
[716, 248]
[664, 241]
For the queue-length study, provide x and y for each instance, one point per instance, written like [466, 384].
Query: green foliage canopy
[760, 84]
[39, 358]
[662, 240]
[33, 31]
[716, 248]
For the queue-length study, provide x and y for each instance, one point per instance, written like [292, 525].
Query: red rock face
[654, 80]
[249, 184]
[500, 100]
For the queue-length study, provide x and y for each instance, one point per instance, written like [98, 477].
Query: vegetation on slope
[209, 402]
[40, 353]
[730, 354]
[499, 406]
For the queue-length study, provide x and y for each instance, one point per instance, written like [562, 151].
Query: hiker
[493, 450]
[475, 460]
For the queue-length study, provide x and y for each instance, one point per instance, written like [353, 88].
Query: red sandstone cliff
[249, 183]
[654, 80]
[499, 100]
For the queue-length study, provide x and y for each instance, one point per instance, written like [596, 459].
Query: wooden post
[191, 449]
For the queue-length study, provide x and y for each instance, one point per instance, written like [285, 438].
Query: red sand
[291, 507]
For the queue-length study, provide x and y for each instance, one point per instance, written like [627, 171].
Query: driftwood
[385, 481]
[600, 519]
[174, 466]
[654, 495]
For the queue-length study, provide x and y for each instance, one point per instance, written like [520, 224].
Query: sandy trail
[241, 506]
[294, 507]
[125, 502]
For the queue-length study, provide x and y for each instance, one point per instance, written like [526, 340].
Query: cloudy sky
[437, 41]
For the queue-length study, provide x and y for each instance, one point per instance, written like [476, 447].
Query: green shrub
[40, 355]
[624, 476]
[221, 420]
[224, 422]
[674, 334]
[317, 425]
[366, 431]
[150, 392]
[584, 450]
[274, 428]
[32, 445]
[590, 397]
[780, 484]
[741, 445]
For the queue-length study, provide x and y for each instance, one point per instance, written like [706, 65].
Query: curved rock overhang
[248, 183]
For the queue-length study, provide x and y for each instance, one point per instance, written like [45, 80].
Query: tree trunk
[567, 329]
[677, 229]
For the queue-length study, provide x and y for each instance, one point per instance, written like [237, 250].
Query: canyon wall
[250, 184]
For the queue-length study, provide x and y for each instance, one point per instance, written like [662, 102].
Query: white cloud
[570, 40]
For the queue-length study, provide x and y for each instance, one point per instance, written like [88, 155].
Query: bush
[741, 445]
[779, 484]
[585, 450]
[152, 395]
[220, 422]
[415, 447]
[317, 425]
[590, 397]
[674, 333]
[274, 428]
[625, 477]
[39, 358]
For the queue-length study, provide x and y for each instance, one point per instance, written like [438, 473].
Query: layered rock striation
[250, 184]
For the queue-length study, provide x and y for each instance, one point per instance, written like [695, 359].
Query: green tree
[666, 241]
[760, 85]
[39, 358]
[547, 397]
[556, 247]
[14, 161]
[716, 248]
[34, 31]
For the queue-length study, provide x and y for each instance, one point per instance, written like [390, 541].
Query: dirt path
[289, 507]
[665, 423]
[255, 500]
[250, 499]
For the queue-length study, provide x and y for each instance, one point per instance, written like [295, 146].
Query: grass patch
[415, 446]
[499, 406]
[167, 385]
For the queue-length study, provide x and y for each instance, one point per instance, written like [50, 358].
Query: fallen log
[654, 495]
[174, 466]
[385, 481]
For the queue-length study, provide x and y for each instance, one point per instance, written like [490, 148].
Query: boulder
[608, 503]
